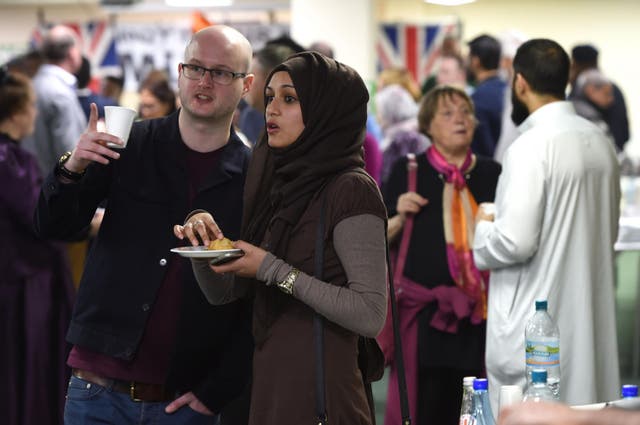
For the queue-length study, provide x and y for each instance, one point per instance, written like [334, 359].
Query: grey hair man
[60, 120]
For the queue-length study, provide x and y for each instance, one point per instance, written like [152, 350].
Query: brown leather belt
[136, 390]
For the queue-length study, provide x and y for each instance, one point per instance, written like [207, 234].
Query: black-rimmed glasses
[220, 76]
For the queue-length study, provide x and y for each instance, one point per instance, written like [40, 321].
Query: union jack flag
[100, 46]
[413, 46]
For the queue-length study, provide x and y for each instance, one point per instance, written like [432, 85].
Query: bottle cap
[541, 305]
[480, 384]
[509, 394]
[467, 381]
[629, 391]
[539, 376]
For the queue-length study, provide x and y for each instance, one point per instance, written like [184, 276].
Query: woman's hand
[486, 211]
[199, 227]
[410, 203]
[245, 266]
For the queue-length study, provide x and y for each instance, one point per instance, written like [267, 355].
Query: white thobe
[557, 210]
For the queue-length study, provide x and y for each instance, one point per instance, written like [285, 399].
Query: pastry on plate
[219, 244]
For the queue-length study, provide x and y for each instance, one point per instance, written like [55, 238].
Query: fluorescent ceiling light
[198, 3]
[449, 2]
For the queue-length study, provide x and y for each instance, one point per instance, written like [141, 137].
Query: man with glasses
[146, 343]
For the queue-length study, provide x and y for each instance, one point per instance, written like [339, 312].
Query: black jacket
[146, 193]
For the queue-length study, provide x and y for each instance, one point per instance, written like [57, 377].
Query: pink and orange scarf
[458, 215]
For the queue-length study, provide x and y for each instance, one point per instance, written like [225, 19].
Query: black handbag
[370, 359]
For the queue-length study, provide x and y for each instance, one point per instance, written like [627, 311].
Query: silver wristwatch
[286, 285]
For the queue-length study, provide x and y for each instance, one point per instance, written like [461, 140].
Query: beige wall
[611, 25]
[354, 40]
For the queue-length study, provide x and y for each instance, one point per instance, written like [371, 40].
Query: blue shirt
[488, 99]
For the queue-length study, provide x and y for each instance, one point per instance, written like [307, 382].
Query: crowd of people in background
[483, 128]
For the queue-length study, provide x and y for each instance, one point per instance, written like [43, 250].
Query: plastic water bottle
[629, 391]
[542, 347]
[538, 390]
[466, 407]
[481, 405]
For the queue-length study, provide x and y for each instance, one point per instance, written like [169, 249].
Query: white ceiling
[238, 4]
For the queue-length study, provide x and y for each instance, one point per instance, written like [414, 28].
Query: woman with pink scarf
[441, 295]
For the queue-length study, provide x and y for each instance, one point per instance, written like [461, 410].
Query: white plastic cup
[118, 121]
[510, 394]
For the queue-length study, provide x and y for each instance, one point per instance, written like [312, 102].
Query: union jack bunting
[413, 46]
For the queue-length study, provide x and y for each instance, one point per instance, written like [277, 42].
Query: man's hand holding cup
[96, 146]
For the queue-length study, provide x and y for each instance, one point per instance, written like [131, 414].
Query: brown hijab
[281, 181]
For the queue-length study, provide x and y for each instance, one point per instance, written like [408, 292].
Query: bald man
[146, 343]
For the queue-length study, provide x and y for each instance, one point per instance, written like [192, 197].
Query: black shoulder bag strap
[318, 327]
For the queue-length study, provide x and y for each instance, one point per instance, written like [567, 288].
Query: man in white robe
[556, 219]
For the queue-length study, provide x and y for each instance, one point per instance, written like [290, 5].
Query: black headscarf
[281, 181]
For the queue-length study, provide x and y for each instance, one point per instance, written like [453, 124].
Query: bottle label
[467, 419]
[543, 353]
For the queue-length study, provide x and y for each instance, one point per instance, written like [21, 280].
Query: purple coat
[36, 298]
[372, 157]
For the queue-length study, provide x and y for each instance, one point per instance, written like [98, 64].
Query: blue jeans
[91, 404]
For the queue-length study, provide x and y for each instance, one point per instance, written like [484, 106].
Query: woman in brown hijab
[315, 119]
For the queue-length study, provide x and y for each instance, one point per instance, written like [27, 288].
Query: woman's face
[283, 113]
[452, 126]
[151, 107]
[25, 119]
[450, 72]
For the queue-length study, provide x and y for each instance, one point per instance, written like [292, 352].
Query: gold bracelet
[286, 285]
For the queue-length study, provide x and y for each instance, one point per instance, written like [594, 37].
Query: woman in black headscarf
[315, 119]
